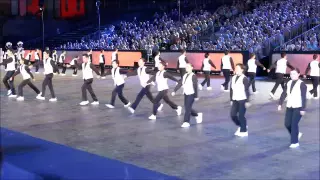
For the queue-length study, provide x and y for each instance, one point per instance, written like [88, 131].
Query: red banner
[72, 8]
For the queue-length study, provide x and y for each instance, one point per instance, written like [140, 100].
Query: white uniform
[294, 97]
[281, 66]
[252, 67]
[117, 77]
[162, 82]
[187, 85]
[226, 62]
[24, 73]
[87, 71]
[239, 92]
[314, 68]
[143, 76]
[48, 69]
[182, 61]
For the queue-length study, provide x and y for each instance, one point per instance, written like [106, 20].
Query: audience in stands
[238, 28]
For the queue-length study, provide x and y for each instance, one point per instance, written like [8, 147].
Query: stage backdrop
[32, 54]
[300, 61]
[196, 59]
[125, 58]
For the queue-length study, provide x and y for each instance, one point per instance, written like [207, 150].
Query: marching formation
[295, 90]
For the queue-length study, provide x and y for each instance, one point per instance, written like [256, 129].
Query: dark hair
[206, 55]
[315, 56]
[85, 55]
[283, 54]
[101, 50]
[251, 55]
[226, 52]
[297, 70]
[116, 49]
[47, 51]
[243, 67]
[143, 59]
[116, 61]
[183, 51]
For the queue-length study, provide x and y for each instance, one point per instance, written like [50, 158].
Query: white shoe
[226, 90]
[103, 77]
[53, 99]
[294, 145]
[299, 136]
[179, 110]
[95, 103]
[316, 97]
[74, 75]
[237, 132]
[37, 72]
[110, 106]
[209, 88]
[309, 95]
[256, 92]
[152, 117]
[242, 134]
[83, 103]
[185, 125]
[20, 98]
[177, 83]
[127, 105]
[222, 87]
[9, 92]
[131, 110]
[12, 96]
[40, 97]
[271, 95]
[200, 87]
[160, 107]
[199, 118]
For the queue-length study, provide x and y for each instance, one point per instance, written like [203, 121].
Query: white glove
[173, 94]
[279, 108]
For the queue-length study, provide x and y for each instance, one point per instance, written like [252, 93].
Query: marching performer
[182, 62]
[37, 60]
[161, 79]
[49, 67]
[102, 63]
[189, 83]
[114, 55]
[226, 66]
[87, 68]
[10, 67]
[26, 76]
[296, 93]
[206, 68]
[61, 62]
[74, 65]
[252, 69]
[143, 73]
[313, 67]
[239, 96]
[281, 68]
[118, 78]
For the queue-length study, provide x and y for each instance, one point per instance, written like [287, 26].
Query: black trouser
[291, 122]
[206, 78]
[239, 119]
[252, 80]
[118, 90]
[75, 70]
[226, 74]
[102, 68]
[87, 86]
[144, 91]
[64, 68]
[156, 69]
[182, 71]
[188, 102]
[9, 83]
[162, 95]
[315, 83]
[48, 82]
[37, 63]
[279, 80]
[31, 85]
